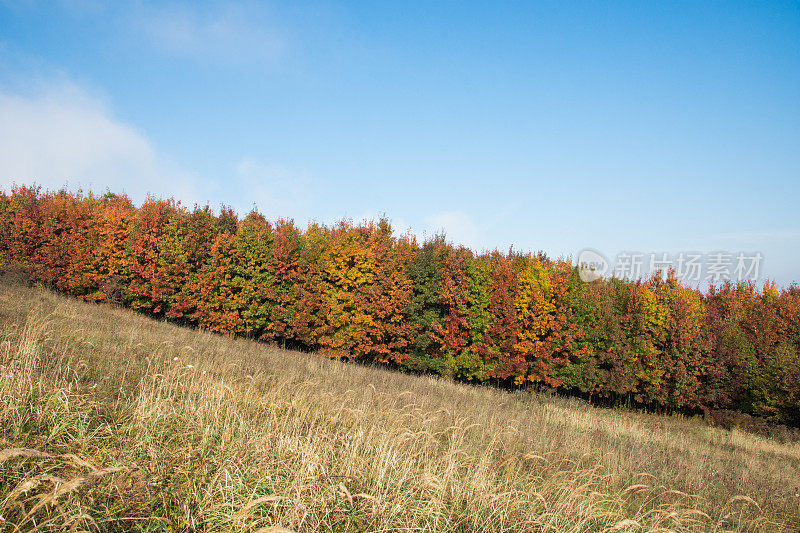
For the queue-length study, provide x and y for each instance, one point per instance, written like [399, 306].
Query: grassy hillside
[110, 421]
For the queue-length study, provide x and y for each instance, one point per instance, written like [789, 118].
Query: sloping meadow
[111, 421]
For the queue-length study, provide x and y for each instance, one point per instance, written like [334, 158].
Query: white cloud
[64, 136]
[276, 191]
[399, 225]
[458, 227]
[222, 33]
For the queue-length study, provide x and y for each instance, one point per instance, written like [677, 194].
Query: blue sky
[640, 126]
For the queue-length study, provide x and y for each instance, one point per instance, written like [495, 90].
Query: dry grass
[110, 421]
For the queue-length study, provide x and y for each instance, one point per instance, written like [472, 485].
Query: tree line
[361, 292]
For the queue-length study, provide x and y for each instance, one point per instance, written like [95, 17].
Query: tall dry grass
[110, 421]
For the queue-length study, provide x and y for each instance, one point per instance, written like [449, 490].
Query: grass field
[111, 421]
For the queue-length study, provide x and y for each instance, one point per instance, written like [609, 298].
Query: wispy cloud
[62, 135]
[760, 236]
[229, 33]
[457, 226]
[276, 191]
[76, 6]
[233, 33]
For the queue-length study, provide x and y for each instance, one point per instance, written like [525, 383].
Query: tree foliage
[358, 291]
